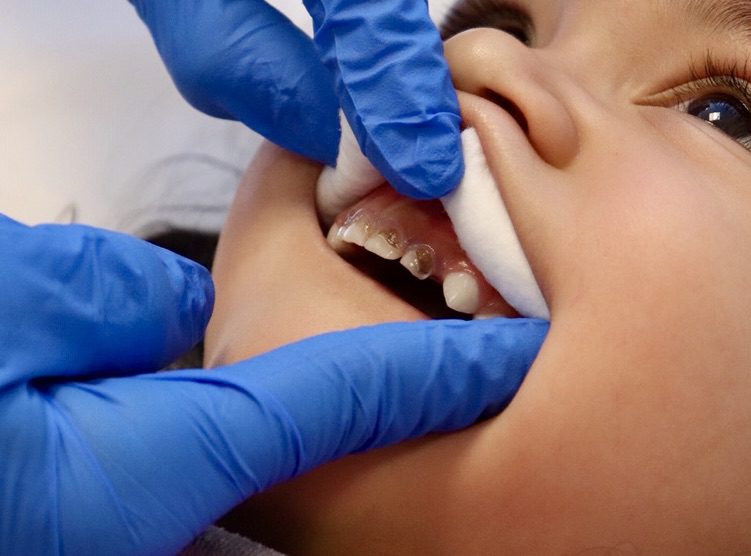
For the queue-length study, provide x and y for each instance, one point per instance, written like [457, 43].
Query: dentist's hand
[382, 61]
[94, 461]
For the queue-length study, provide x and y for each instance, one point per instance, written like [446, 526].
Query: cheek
[646, 232]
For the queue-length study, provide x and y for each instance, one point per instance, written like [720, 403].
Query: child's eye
[720, 94]
[726, 113]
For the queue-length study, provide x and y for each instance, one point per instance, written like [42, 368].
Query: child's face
[636, 216]
[618, 133]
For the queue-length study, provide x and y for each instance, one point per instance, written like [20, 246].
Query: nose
[498, 67]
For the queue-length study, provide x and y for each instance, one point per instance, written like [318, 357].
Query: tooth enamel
[355, 232]
[486, 316]
[385, 245]
[461, 292]
[333, 237]
[419, 261]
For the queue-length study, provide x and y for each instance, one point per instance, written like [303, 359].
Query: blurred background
[92, 129]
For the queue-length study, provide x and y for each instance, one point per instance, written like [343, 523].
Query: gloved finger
[403, 380]
[79, 300]
[394, 86]
[184, 447]
[244, 60]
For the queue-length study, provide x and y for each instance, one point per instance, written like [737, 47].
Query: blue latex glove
[94, 461]
[243, 60]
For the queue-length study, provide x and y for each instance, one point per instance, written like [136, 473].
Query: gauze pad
[353, 178]
[476, 209]
[486, 234]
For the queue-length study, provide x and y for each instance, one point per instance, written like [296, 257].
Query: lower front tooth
[384, 244]
[461, 291]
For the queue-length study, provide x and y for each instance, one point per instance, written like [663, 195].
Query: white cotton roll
[353, 178]
[487, 235]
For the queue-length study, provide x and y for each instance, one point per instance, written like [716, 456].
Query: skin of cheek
[631, 425]
[668, 229]
[650, 328]
[638, 245]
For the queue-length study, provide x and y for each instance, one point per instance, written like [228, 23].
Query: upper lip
[480, 113]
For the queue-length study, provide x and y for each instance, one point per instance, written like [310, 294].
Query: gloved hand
[243, 60]
[96, 462]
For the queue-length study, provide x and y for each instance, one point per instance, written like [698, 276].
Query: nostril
[509, 107]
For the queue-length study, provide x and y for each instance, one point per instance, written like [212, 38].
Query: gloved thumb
[79, 301]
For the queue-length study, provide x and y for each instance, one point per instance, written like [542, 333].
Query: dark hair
[199, 247]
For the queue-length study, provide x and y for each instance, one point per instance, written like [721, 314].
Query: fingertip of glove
[429, 180]
[527, 327]
[324, 149]
[432, 167]
[202, 286]
[194, 287]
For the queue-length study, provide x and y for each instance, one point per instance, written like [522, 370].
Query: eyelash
[715, 77]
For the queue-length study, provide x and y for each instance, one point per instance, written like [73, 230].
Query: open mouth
[422, 236]
[410, 247]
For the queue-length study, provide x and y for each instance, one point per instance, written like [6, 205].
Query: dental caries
[420, 237]
[427, 238]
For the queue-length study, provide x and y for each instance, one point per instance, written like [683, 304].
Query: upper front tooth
[461, 291]
[355, 232]
[334, 237]
[385, 244]
[419, 261]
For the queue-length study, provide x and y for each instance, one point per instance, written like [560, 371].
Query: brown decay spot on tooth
[392, 238]
[424, 229]
[361, 218]
[424, 259]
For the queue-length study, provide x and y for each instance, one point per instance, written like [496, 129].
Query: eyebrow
[723, 16]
